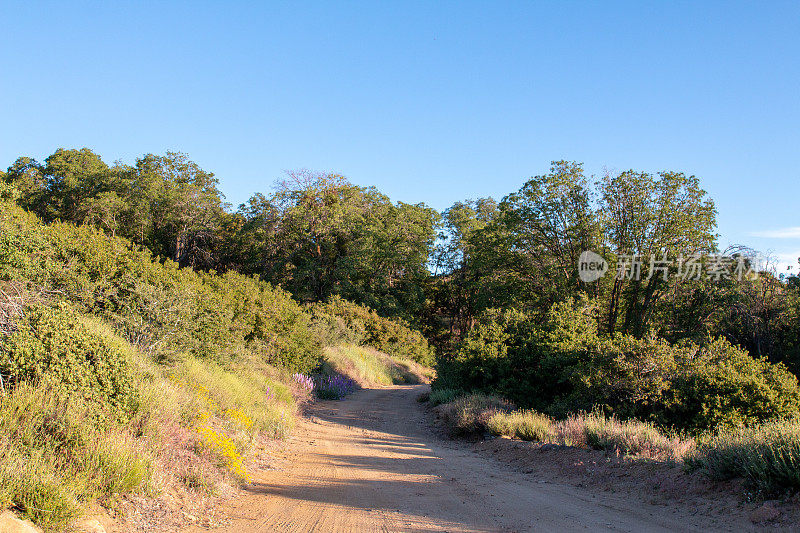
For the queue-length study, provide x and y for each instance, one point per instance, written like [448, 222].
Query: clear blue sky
[429, 101]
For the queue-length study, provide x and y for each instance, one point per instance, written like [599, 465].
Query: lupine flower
[334, 387]
[304, 381]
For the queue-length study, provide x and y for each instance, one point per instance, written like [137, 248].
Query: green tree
[650, 217]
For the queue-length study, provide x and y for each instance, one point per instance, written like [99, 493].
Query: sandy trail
[373, 462]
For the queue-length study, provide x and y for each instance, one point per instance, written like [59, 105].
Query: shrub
[334, 330]
[722, 385]
[57, 347]
[623, 375]
[162, 309]
[440, 396]
[767, 456]
[564, 366]
[497, 356]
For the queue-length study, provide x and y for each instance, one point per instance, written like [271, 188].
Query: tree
[651, 218]
[319, 235]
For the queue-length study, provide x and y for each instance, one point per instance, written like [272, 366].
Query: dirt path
[374, 463]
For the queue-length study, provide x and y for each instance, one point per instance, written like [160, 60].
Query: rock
[765, 513]
[9, 523]
[89, 525]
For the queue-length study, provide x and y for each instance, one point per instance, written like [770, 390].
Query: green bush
[723, 386]
[162, 309]
[56, 347]
[498, 356]
[623, 375]
[562, 365]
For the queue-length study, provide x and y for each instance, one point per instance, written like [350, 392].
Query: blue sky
[430, 101]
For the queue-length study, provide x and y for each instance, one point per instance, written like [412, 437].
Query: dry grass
[471, 413]
[523, 425]
[369, 367]
[478, 413]
[193, 429]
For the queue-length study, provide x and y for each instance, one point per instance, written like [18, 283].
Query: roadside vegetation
[172, 324]
[764, 455]
[123, 374]
[369, 367]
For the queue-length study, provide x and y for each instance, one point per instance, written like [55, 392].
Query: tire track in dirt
[374, 462]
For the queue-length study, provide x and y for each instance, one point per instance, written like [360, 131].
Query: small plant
[304, 381]
[524, 425]
[221, 444]
[767, 456]
[440, 396]
[334, 387]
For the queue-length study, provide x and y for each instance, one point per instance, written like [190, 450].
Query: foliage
[391, 336]
[55, 347]
[167, 203]
[767, 456]
[565, 365]
[321, 236]
[369, 367]
[723, 386]
[163, 309]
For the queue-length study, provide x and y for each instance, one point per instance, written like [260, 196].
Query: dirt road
[373, 462]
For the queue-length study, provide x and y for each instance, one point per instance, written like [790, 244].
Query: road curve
[373, 462]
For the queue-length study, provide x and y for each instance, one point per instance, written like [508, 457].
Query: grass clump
[471, 413]
[628, 437]
[440, 396]
[523, 425]
[56, 455]
[767, 456]
[478, 413]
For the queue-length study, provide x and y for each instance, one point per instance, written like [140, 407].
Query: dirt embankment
[378, 462]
